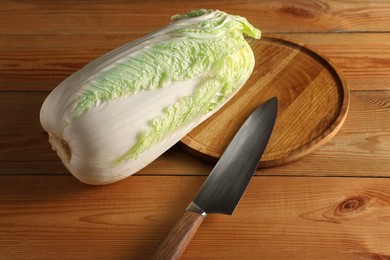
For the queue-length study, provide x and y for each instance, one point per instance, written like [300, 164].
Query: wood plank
[42, 69]
[361, 148]
[363, 58]
[56, 217]
[75, 17]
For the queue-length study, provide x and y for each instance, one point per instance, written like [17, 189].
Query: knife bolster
[196, 209]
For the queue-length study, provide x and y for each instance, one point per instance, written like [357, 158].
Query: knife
[225, 185]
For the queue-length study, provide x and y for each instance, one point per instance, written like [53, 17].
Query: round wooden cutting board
[313, 103]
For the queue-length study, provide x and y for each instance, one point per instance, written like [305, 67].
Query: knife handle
[178, 238]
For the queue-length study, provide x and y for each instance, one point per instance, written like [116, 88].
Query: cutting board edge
[187, 142]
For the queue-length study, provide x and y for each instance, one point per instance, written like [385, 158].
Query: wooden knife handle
[180, 235]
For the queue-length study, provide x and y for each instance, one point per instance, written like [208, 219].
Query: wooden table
[332, 204]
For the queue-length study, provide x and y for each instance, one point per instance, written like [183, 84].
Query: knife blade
[227, 182]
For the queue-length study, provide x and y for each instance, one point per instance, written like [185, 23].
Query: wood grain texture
[179, 236]
[45, 213]
[363, 58]
[56, 217]
[313, 104]
[40, 65]
[360, 148]
[101, 17]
